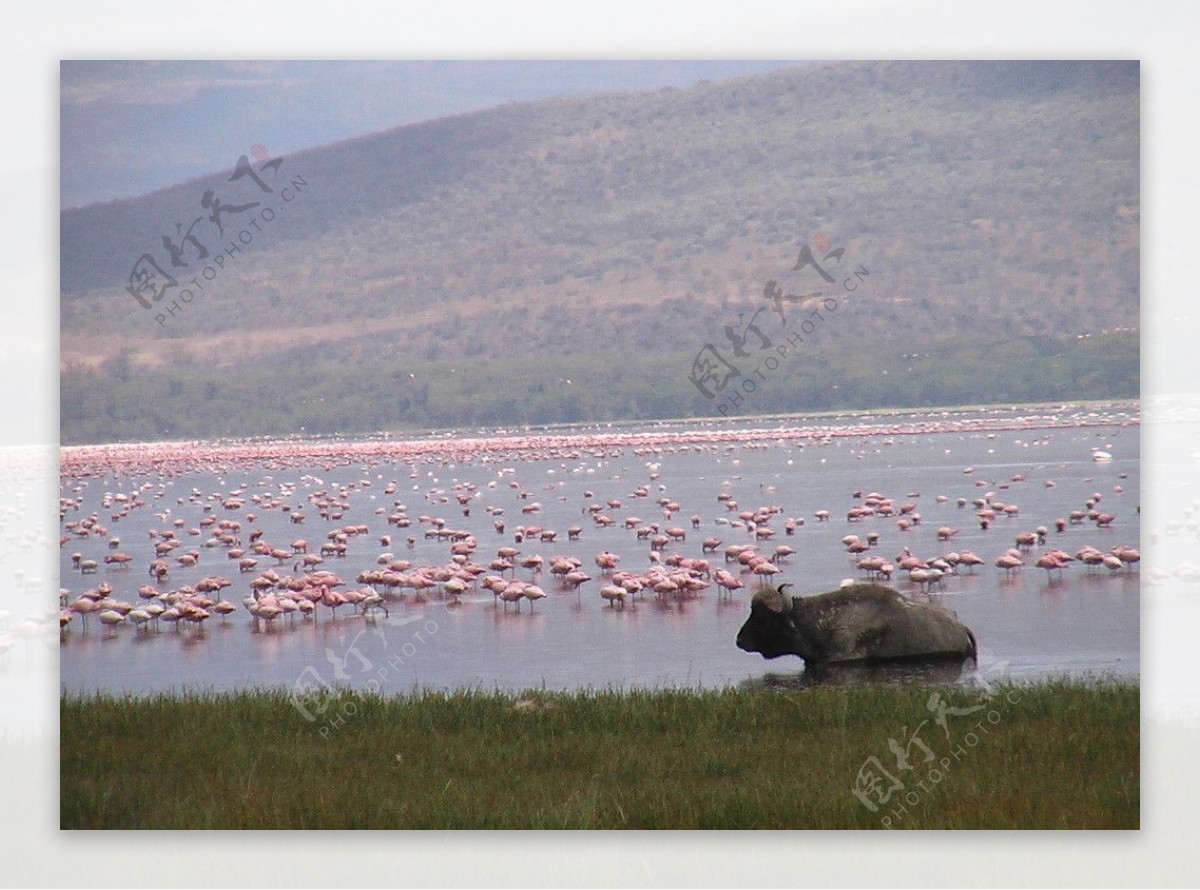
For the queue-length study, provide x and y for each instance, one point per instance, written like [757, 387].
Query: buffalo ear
[771, 598]
[785, 605]
[785, 602]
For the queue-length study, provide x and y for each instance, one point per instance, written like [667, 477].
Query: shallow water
[1028, 626]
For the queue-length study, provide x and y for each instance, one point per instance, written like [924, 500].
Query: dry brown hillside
[459, 271]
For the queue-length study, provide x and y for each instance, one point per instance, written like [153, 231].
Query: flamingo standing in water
[765, 569]
[110, 618]
[970, 560]
[727, 581]
[613, 594]
[332, 599]
[1050, 562]
[83, 607]
[1127, 555]
[139, 617]
[268, 611]
[1089, 556]
[512, 592]
[1009, 563]
[607, 561]
[196, 615]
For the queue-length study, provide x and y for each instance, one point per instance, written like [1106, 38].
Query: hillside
[462, 271]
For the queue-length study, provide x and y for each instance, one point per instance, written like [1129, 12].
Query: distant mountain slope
[991, 202]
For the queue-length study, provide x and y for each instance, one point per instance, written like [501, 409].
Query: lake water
[1029, 625]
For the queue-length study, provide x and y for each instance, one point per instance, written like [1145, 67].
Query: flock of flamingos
[493, 542]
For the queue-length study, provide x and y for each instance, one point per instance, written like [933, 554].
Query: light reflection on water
[1086, 623]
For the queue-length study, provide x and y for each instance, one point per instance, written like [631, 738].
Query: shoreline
[770, 683]
[175, 457]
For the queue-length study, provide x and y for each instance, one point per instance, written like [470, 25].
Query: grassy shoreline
[1057, 754]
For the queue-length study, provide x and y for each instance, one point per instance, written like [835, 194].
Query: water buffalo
[858, 623]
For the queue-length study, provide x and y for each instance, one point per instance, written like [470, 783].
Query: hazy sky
[128, 128]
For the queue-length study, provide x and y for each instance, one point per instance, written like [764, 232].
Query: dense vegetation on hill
[463, 270]
[311, 390]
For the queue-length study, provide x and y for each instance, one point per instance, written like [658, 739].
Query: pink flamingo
[727, 581]
[110, 618]
[1009, 563]
[512, 593]
[1049, 562]
[613, 595]
[607, 561]
[83, 607]
[970, 560]
[766, 569]
[1128, 555]
[331, 599]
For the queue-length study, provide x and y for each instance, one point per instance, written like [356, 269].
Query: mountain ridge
[990, 200]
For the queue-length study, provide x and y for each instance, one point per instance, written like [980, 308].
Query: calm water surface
[1029, 625]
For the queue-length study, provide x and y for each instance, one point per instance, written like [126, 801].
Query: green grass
[1059, 755]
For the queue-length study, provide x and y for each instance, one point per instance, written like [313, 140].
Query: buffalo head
[770, 630]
